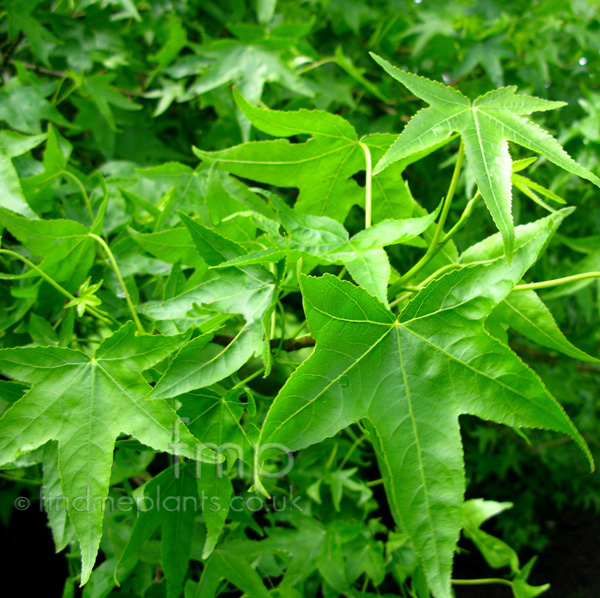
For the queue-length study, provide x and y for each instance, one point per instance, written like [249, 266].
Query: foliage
[239, 327]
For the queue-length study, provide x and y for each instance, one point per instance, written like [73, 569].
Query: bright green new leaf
[526, 313]
[497, 553]
[246, 290]
[486, 124]
[84, 403]
[328, 241]
[408, 379]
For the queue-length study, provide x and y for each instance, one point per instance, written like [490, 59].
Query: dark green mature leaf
[409, 378]
[232, 566]
[103, 396]
[249, 67]
[486, 124]
[169, 500]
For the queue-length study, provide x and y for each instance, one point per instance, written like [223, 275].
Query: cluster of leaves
[293, 282]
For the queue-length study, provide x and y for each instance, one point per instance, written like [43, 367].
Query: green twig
[435, 245]
[115, 267]
[480, 582]
[96, 313]
[368, 184]
[351, 450]
[557, 281]
[249, 378]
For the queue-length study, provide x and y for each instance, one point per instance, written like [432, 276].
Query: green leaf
[66, 247]
[173, 245]
[249, 67]
[408, 379]
[233, 567]
[53, 499]
[321, 168]
[327, 240]
[104, 396]
[248, 291]
[486, 124]
[11, 195]
[525, 312]
[214, 417]
[497, 553]
[169, 500]
[25, 107]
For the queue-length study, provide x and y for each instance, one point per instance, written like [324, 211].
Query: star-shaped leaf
[84, 403]
[409, 378]
[322, 167]
[24, 107]
[249, 67]
[486, 125]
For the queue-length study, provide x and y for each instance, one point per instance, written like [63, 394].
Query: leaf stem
[462, 220]
[368, 184]
[436, 245]
[20, 480]
[317, 64]
[557, 281]
[115, 267]
[78, 183]
[449, 197]
[372, 483]
[351, 450]
[53, 283]
[249, 378]
[479, 582]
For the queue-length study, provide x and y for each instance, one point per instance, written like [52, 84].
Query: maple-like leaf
[321, 168]
[409, 378]
[486, 125]
[24, 107]
[175, 497]
[250, 67]
[85, 403]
